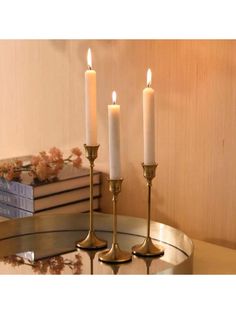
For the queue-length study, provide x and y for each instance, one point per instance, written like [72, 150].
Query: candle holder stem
[91, 242]
[115, 254]
[91, 224]
[114, 206]
[149, 184]
[148, 248]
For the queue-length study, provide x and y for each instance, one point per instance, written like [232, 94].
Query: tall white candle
[114, 139]
[149, 122]
[90, 104]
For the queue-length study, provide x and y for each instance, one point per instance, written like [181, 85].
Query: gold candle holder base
[115, 254]
[91, 242]
[148, 248]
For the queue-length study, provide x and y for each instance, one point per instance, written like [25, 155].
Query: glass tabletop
[47, 245]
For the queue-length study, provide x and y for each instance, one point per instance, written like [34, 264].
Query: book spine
[12, 212]
[34, 205]
[17, 201]
[77, 207]
[16, 188]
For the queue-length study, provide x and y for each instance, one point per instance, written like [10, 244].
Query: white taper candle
[90, 104]
[149, 122]
[114, 139]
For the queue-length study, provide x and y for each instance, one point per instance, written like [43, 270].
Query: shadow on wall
[128, 199]
[100, 48]
[158, 206]
[221, 242]
[102, 51]
[105, 200]
[59, 45]
[163, 218]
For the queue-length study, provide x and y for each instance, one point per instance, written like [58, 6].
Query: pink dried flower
[54, 169]
[43, 156]
[9, 174]
[77, 162]
[41, 171]
[44, 166]
[76, 151]
[56, 154]
[35, 160]
[7, 170]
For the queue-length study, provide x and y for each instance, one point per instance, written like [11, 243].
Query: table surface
[208, 259]
[213, 259]
[47, 245]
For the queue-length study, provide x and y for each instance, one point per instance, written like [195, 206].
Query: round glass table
[46, 244]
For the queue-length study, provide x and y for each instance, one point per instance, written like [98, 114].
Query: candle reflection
[53, 265]
[147, 261]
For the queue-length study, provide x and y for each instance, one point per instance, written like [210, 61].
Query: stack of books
[69, 193]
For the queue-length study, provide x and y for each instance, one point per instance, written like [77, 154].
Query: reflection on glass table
[47, 245]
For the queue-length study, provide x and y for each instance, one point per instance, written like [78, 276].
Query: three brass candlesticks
[91, 242]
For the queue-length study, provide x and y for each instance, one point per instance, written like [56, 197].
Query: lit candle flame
[89, 59]
[114, 97]
[149, 77]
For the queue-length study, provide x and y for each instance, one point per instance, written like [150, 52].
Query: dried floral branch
[42, 167]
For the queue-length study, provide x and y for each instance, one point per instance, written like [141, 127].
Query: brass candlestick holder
[148, 248]
[115, 254]
[91, 242]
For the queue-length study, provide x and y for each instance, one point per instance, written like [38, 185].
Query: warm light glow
[113, 97]
[89, 59]
[149, 77]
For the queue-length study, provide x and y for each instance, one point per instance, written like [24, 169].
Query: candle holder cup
[148, 248]
[115, 254]
[91, 242]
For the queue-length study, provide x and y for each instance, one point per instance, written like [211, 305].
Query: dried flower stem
[42, 167]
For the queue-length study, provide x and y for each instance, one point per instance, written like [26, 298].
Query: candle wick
[149, 85]
[89, 67]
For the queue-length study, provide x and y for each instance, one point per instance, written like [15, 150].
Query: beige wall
[42, 105]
